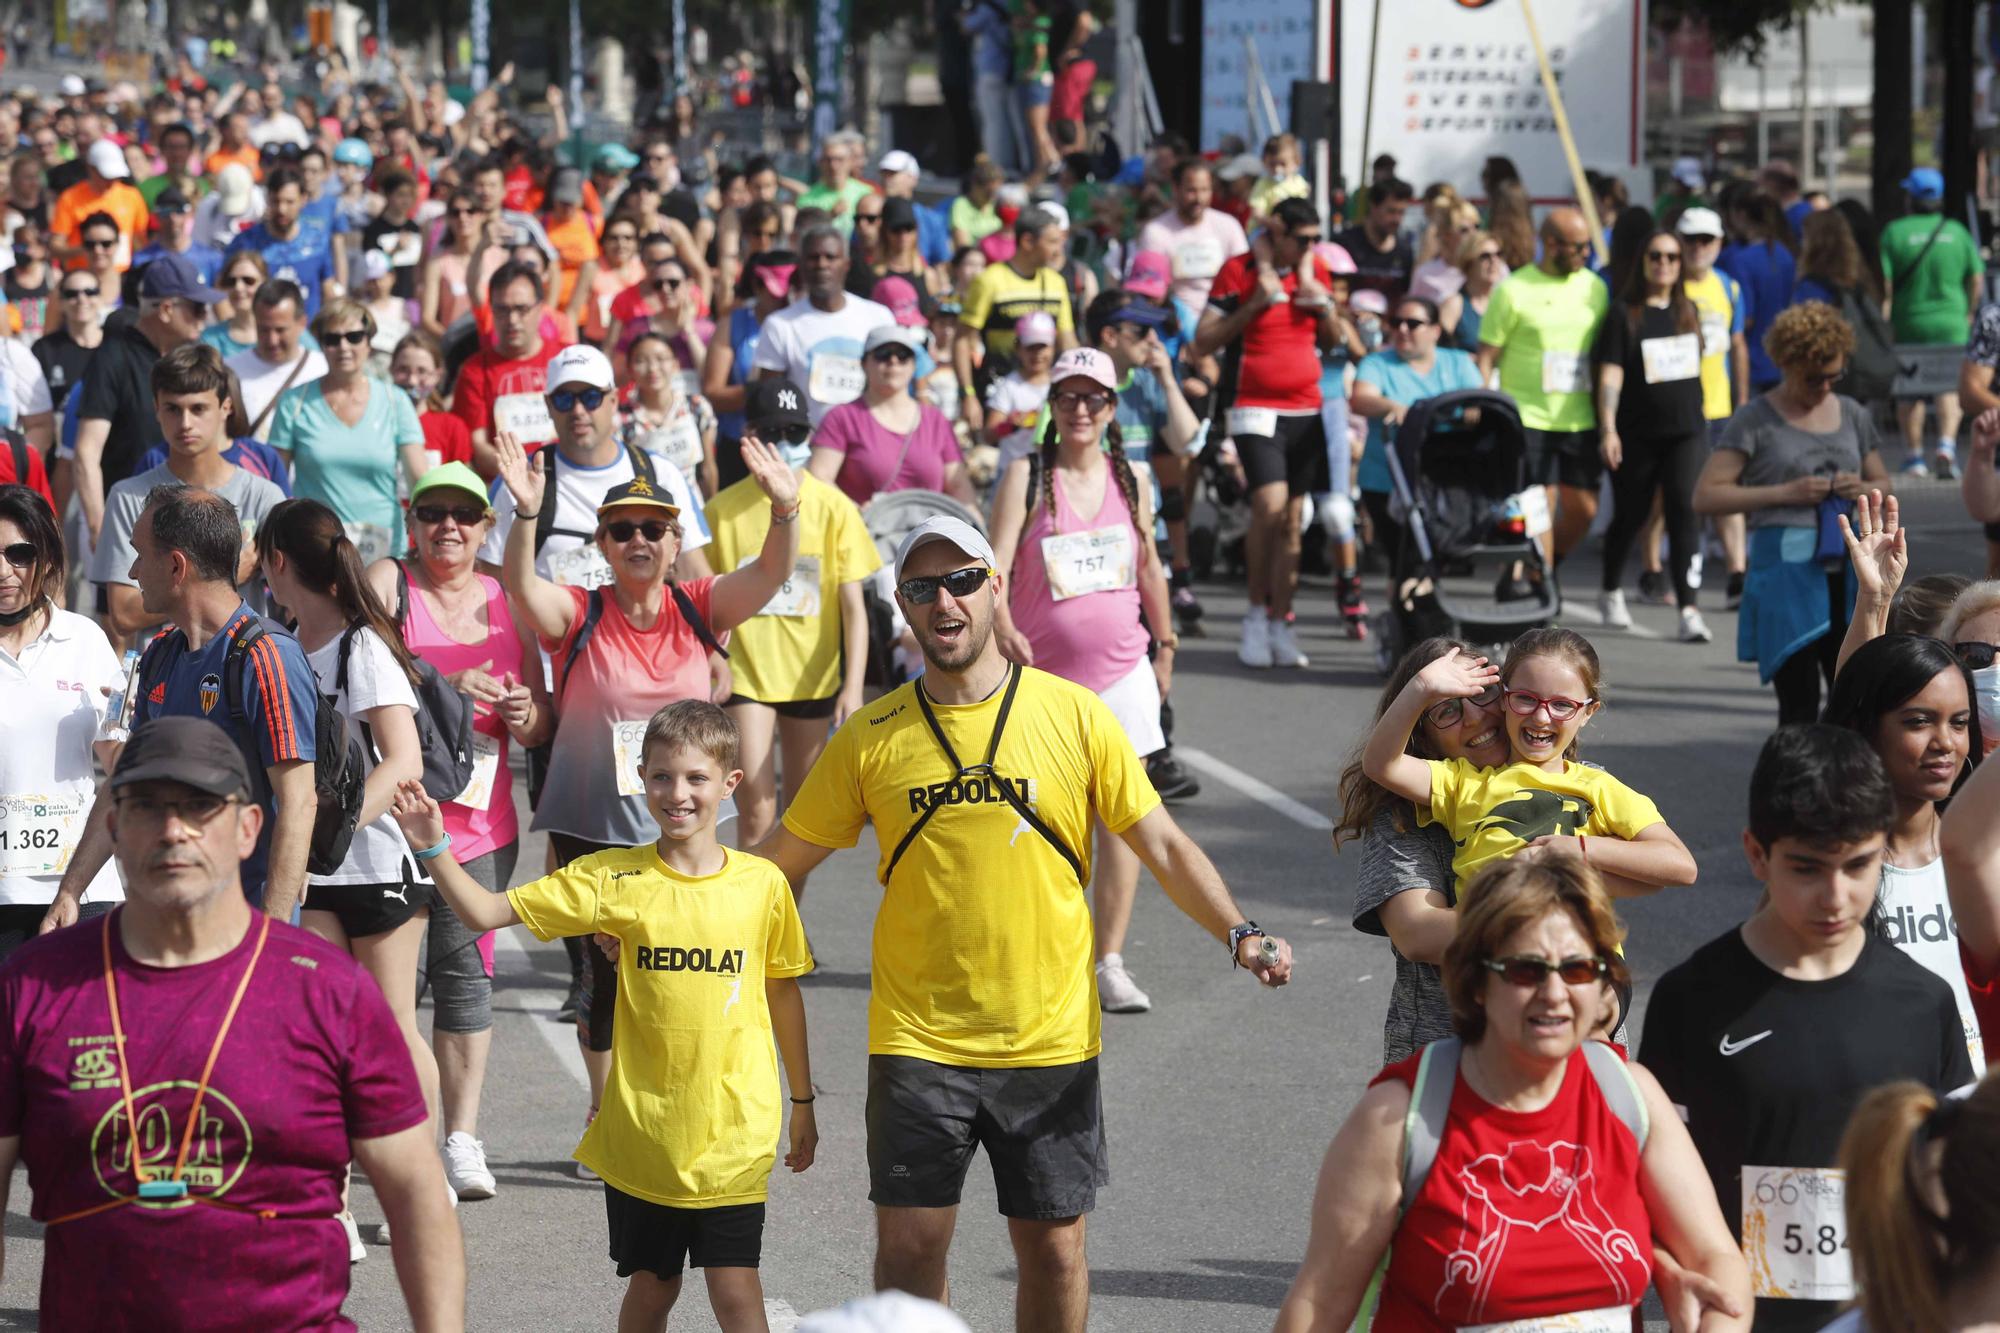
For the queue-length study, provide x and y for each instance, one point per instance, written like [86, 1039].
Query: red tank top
[1524, 1214]
[475, 832]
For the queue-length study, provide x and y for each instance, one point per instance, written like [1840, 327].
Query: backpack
[17, 445]
[545, 520]
[1430, 1108]
[444, 716]
[1872, 370]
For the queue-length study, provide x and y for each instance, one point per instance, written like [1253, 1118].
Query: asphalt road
[1219, 1102]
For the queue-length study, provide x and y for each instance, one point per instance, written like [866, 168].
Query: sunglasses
[194, 811]
[78, 293]
[1090, 402]
[1976, 656]
[1527, 970]
[959, 583]
[1451, 712]
[867, 217]
[1408, 325]
[892, 354]
[1826, 381]
[1526, 703]
[1489, 256]
[353, 338]
[1663, 256]
[21, 555]
[242, 280]
[465, 212]
[565, 400]
[624, 529]
[669, 284]
[111, 244]
[463, 515]
[785, 434]
[1305, 237]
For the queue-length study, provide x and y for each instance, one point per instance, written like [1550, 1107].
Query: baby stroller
[1460, 467]
[891, 517]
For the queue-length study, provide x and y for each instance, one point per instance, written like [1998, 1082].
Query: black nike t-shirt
[1766, 1070]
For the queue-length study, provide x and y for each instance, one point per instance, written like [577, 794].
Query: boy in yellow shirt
[710, 952]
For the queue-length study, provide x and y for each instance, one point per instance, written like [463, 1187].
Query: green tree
[1736, 26]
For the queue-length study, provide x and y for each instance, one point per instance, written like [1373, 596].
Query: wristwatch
[1240, 933]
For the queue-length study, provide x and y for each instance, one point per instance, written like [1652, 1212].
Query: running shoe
[356, 1251]
[1915, 466]
[1693, 628]
[1735, 597]
[1170, 779]
[1187, 612]
[1255, 648]
[1284, 646]
[1117, 993]
[1353, 607]
[465, 1167]
[1654, 590]
[1611, 606]
[1944, 464]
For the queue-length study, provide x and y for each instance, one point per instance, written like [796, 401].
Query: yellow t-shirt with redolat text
[1492, 813]
[691, 1114]
[982, 945]
[790, 652]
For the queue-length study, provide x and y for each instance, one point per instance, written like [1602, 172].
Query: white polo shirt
[56, 699]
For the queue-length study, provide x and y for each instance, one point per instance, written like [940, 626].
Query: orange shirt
[576, 245]
[118, 198]
[222, 157]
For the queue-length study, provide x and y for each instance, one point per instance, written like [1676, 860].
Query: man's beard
[968, 650]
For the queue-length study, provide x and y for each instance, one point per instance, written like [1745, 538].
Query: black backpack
[444, 716]
[1872, 370]
[545, 520]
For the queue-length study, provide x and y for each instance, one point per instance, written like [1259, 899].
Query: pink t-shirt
[313, 1059]
[872, 450]
[475, 832]
[1197, 251]
[1094, 638]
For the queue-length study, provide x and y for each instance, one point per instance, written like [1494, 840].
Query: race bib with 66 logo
[1795, 1233]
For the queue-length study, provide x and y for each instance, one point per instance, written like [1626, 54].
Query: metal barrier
[1929, 369]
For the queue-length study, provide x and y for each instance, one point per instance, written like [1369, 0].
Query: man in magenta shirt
[106, 1028]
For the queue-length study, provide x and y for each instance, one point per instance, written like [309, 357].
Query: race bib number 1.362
[38, 834]
[1795, 1233]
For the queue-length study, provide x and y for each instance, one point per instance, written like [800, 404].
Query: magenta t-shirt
[313, 1059]
[872, 450]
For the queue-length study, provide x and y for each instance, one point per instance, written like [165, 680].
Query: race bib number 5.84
[1795, 1233]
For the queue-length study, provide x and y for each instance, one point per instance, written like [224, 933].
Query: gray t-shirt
[1776, 452]
[1394, 862]
[252, 495]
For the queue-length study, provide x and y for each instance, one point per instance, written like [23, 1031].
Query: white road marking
[780, 1315]
[541, 1004]
[1255, 790]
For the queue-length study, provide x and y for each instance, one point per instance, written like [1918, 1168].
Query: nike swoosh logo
[1728, 1047]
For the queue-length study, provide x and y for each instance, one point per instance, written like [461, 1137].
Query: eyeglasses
[959, 583]
[1408, 325]
[514, 311]
[352, 337]
[892, 353]
[21, 555]
[1092, 403]
[1528, 970]
[194, 811]
[463, 515]
[1451, 712]
[1526, 703]
[1976, 656]
[1663, 256]
[1488, 256]
[565, 400]
[111, 244]
[624, 529]
[78, 293]
[242, 280]
[1827, 380]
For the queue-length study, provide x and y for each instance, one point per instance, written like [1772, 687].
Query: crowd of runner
[367, 455]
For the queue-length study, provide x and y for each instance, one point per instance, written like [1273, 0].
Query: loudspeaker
[1315, 111]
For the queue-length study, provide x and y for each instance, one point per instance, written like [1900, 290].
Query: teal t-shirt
[1928, 304]
[1399, 382]
[350, 469]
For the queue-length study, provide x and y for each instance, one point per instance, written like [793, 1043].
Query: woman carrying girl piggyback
[1544, 796]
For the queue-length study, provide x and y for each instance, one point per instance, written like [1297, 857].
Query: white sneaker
[1611, 606]
[1255, 649]
[465, 1167]
[1285, 646]
[585, 1173]
[356, 1251]
[1693, 628]
[1117, 993]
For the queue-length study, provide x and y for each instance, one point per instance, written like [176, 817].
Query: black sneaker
[1735, 597]
[1654, 589]
[1173, 782]
[571, 1003]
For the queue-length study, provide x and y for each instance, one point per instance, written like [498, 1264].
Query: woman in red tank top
[1542, 1199]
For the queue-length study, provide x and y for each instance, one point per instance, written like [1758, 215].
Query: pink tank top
[475, 832]
[1094, 635]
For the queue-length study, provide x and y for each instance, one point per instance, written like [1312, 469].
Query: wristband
[432, 853]
[522, 513]
[1583, 848]
[804, 1101]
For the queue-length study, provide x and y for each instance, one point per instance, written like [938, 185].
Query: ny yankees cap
[775, 405]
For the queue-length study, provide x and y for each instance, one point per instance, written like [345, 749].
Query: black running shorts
[653, 1238]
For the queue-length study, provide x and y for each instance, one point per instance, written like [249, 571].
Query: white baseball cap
[107, 159]
[374, 265]
[70, 85]
[580, 364]
[944, 528]
[1687, 171]
[898, 161]
[1699, 222]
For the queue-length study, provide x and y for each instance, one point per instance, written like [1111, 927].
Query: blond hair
[694, 724]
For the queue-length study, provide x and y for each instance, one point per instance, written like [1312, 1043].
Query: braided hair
[1045, 466]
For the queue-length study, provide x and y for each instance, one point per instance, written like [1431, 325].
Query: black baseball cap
[189, 750]
[171, 200]
[773, 405]
[172, 278]
[898, 214]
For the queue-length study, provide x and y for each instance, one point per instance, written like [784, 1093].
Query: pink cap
[901, 298]
[1085, 363]
[1035, 329]
[1335, 257]
[1369, 301]
[1150, 275]
[998, 248]
[777, 279]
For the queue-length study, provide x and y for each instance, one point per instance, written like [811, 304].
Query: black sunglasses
[867, 217]
[464, 515]
[785, 434]
[1412, 325]
[111, 244]
[1976, 656]
[353, 338]
[1664, 256]
[959, 583]
[21, 555]
[892, 353]
[565, 400]
[623, 530]
[669, 284]
[78, 293]
[1527, 970]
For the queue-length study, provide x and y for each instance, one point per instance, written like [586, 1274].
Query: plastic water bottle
[1267, 951]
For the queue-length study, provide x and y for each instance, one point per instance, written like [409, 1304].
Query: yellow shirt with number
[691, 1115]
[790, 652]
[982, 945]
[1492, 813]
[1719, 301]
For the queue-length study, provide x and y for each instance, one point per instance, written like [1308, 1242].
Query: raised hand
[524, 480]
[773, 474]
[1878, 545]
[1457, 675]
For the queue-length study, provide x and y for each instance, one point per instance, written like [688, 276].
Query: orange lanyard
[170, 1185]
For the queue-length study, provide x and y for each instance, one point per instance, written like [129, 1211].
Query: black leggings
[1797, 681]
[599, 994]
[1670, 466]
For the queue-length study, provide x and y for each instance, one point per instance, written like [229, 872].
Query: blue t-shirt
[1766, 272]
[1797, 215]
[306, 258]
[326, 214]
[744, 327]
[987, 24]
[222, 340]
[271, 719]
[253, 456]
[1812, 289]
[1395, 380]
[934, 233]
[207, 260]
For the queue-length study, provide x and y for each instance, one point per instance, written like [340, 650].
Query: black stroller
[1460, 466]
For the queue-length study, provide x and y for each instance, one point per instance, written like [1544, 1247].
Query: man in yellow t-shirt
[983, 780]
[803, 659]
[1725, 365]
